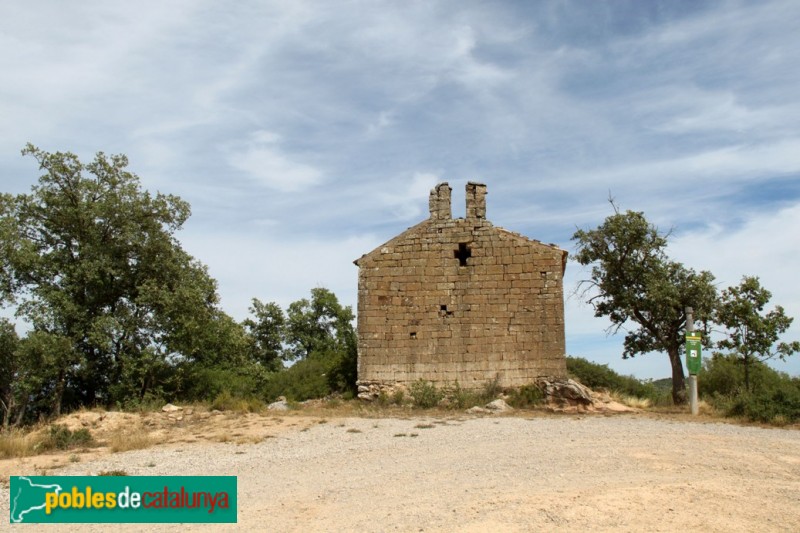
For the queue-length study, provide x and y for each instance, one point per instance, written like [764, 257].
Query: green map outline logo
[17, 516]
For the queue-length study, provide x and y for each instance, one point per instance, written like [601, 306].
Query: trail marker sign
[693, 352]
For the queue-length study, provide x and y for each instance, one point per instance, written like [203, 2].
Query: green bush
[207, 383]
[780, 405]
[61, 437]
[304, 380]
[724, 375]
[526, 397]
[225, 401]
[460, 398]
[425, 394]
[774, 397]
[398, 397]
[597, 376]
[148, 403]
[491, 389]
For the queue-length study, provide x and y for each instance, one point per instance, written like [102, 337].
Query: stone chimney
[439, 202]
[476, 200]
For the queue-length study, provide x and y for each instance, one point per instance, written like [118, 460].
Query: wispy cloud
[261, 158]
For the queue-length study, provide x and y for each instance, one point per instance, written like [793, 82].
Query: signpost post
[693, 358]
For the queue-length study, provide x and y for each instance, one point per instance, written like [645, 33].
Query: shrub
[774, 397]
[597, 376]
[207, 383]
[780, 405]
[148, 403]
[304, 380]
[526, 397]
[398, 397]
[225, 401]
[724, 374]
[425, 394]
[492, 389]
[461, 398]
[60, 437]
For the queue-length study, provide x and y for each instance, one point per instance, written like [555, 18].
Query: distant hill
[663, 384]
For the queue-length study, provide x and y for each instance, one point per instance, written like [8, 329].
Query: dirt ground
[321, 470]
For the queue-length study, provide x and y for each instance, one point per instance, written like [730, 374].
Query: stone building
[460, 300]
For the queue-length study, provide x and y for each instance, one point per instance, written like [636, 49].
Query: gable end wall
[421, 315]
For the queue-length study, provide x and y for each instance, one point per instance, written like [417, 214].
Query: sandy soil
[298, 472]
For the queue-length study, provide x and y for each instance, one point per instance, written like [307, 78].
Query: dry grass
[252, 439]
[18, 443]
[122, 440]
[707, 409]
[40, 439]
[631, 401]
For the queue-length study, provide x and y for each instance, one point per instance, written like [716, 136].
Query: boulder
[169, 408]
[498, 406]
[565, 392]
[280, 405]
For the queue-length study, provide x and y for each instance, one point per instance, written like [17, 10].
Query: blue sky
[304, 134]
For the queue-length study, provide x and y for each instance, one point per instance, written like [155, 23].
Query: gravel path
[595, 473]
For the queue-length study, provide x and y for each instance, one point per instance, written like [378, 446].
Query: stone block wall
[459, 300]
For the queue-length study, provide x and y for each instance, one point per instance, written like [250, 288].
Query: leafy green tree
[92, 260]
[318, 325]
[45, 363]
[633, 282]
[9, 343]
[751, 335]
[723, 375]
[321, 328]
[266, 333]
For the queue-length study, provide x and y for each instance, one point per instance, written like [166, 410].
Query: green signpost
[693, 352]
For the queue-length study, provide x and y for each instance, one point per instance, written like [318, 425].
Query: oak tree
[92, 262]
[752, 335]
[641, 290]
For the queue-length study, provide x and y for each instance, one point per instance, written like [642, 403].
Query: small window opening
[413, 334]
[462, 254]
[443, 312]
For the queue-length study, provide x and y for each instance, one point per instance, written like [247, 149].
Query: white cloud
[695, 110]
[408, 199]
[766, 245]
[726, 165]
[261, 158]
[272, 268]
[385, 119]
